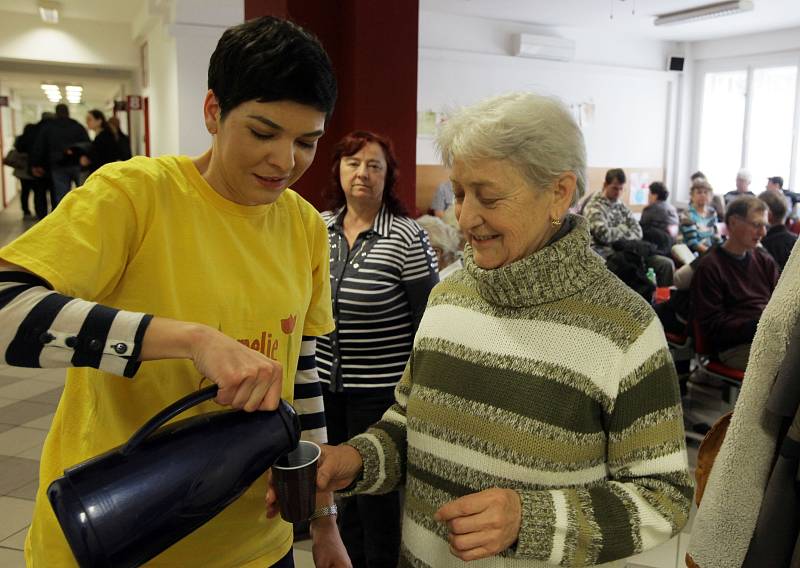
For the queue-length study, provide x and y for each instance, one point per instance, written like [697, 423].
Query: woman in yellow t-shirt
[158, 272]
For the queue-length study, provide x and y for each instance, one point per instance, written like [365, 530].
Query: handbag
[16, 160]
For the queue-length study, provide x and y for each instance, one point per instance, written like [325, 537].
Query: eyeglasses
[756, 226]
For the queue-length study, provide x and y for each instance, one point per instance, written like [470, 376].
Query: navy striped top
[379, 290]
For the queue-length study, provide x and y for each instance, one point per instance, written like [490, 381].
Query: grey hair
[744, 174]
[537, 134]
[442, 235]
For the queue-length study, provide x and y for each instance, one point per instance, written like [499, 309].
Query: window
[769, 143]
[722, 127]
[747, 120]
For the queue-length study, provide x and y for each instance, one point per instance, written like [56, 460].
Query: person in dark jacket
[778, 241]
[40, 186]
[105, 146]
[56, 147]
[122, 139]
[659, 219]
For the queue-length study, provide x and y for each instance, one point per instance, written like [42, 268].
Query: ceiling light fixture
[48, 10]
[703, 12]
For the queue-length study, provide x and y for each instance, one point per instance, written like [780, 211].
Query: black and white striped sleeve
[40, 327]
[308, 394]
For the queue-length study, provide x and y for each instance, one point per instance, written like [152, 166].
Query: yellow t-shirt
[150, 235]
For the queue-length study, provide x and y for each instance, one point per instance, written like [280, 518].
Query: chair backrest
[701, 345]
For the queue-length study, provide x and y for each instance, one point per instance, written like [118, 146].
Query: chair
[706, 360]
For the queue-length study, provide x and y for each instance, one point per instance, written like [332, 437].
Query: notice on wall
[639, 188]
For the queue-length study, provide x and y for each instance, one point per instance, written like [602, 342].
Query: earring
[555, 222]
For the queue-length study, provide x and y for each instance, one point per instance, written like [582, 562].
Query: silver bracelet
[326, 511]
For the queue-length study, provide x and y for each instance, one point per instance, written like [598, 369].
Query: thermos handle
[168, 414]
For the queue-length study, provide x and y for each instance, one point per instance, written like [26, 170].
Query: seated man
[775, 184]
[610, 220]
[743, 179]
[733, 283]
[779, 241]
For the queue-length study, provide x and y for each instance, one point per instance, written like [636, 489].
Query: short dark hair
[776, 204]
[350, 145]
[660, 190]
[615, 174]
[777, 180]
[698, 174]
[742, 206]
[62, 111]
[269, 59]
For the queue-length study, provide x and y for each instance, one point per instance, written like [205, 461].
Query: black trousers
[369, 524]
[40, 188]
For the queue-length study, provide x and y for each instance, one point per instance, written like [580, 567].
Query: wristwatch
[326, 511]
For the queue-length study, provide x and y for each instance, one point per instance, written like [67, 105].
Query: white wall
[9, 133]
[81, 42]
[465, 59]
[746, 45]
[180, 41]
[162, 91]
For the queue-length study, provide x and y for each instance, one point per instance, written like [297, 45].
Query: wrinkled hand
[338, 467]
[482, 524]
[84, 161]
[247, 379]
[327, 546]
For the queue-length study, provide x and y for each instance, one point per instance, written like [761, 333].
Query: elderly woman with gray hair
[446, 243]
[538, 421]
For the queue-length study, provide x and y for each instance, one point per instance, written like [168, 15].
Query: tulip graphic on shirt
[287, 325]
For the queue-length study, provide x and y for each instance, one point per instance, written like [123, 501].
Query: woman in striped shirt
[382, 269]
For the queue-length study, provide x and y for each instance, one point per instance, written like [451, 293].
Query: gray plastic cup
[295, 478]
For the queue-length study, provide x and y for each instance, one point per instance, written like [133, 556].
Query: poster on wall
[639, 188]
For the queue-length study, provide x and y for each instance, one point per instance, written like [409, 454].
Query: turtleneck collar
[564, 267]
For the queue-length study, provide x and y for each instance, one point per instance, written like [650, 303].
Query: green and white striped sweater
[548, 376]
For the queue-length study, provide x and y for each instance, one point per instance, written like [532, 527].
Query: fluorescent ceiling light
[49, 11]
[73, 89]
[703, 12]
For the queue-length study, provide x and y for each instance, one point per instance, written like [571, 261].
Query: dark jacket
[779, 242]
[659, 215]
[55, 143]
[104, 149]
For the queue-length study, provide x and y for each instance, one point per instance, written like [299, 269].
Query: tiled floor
[28, 399]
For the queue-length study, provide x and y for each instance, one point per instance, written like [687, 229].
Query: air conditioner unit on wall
[544, 47]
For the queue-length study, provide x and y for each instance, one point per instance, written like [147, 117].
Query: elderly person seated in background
[733, 283]
[743, 179]
[699, 222]
[446, 243]
[539, 415]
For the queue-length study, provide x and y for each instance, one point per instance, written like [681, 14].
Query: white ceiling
[99, 86]
[98, 10]
[634, 17]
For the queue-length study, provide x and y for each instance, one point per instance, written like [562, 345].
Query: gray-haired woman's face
[501, 215]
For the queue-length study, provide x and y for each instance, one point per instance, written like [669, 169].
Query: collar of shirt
[382, 224]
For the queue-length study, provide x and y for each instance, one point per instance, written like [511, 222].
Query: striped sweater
[550, 377]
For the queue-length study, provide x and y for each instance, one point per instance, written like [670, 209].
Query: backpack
[628, 263]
